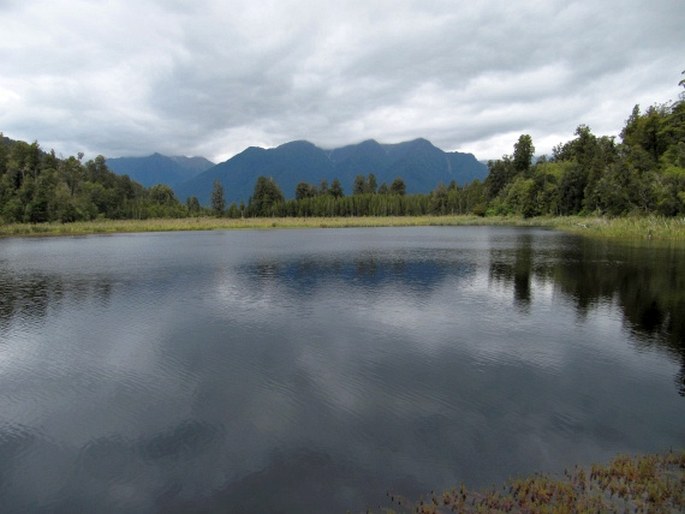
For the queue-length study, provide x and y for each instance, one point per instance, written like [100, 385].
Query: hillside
[418, 162]
[159, 169]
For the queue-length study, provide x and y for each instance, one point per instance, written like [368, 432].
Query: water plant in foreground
[649, 483]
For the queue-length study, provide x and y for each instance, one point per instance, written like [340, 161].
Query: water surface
[313, 370]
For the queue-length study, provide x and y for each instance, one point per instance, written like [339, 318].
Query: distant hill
[418, 162]
[159, 169]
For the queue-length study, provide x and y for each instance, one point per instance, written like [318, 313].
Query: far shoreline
[643, 228]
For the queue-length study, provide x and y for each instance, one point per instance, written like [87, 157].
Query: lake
[315, 370]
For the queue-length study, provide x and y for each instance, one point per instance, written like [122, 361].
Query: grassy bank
[651, 483]
[640, 228]
[637, 228]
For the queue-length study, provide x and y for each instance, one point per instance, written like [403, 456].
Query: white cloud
[211, 77]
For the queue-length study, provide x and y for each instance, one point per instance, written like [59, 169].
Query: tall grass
[633, 228]
[647, 483]
[644, 228]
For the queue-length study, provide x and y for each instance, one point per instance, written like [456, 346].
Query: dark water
[312, 371]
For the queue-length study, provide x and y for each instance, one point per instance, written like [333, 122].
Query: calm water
[312, 371]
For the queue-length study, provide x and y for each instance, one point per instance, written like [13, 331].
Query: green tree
[371, 185]
[439, 199]
[218, 200]
[523, 153]
[359, 187]
[501, 172]
[398, 187]
[589, 158]
[265, 198]
[520, 196]
[73, 174]
[234, 211]
[571, 190]
[336, 190]
[163, 195]
[305, 190]
[193, 205]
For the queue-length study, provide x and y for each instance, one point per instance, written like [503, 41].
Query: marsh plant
[649, 483]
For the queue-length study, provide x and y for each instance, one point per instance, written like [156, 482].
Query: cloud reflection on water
[327, 373]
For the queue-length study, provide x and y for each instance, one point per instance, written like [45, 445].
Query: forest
[643, 172]
[37, 187]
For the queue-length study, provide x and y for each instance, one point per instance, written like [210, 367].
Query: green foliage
[523, 153]
[218, 201]
[359, 186]
[390, 202]
[323, 187]
[37, 187]
[501, 172]
[304, 190]
[193, 206]
[365, 185]
[371, 185]
[266, 199]
[643, 174]
[336, 190]
[398, 187]
[235, 212]
[163, 195]
[590, 174]
[520, 195]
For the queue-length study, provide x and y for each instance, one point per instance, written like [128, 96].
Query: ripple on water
[15, 440]
[148, 373]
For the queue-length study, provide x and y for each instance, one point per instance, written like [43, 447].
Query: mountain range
[419, 163]
[159, 169]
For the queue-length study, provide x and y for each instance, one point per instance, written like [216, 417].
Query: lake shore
[648, 483]
[629, 228]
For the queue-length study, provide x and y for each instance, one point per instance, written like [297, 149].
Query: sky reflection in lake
[287, 371]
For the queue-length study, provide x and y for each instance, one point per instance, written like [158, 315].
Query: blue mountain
[419, 163]
[159, 169]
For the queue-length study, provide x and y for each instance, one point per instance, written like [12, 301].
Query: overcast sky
[211, 77]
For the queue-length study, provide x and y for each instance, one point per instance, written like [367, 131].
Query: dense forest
[37, 186]
[642, 173]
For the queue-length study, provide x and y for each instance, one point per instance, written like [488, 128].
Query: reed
[631, 228]
[648, 483]
[644, 228]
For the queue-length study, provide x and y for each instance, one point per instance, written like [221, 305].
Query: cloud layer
[212, 77]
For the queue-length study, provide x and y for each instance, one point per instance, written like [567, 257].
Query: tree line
[367, 199]
[37, 186]
[641, 173]
[644, 173]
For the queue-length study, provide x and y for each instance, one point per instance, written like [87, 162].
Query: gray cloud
[213, 77]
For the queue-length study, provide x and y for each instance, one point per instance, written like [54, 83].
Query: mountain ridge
[159, 169]
[418, 162]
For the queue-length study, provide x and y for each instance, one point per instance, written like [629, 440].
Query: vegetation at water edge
[634, 228]
[643, 174]
[650, 483]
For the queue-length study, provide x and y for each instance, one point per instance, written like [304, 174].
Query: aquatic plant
[648, 483]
